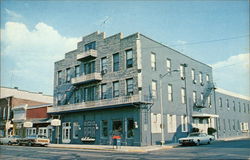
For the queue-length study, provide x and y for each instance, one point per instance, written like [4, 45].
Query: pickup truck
[9, 140]
[34, 140]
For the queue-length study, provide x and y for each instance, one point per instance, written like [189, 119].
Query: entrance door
[117, 128]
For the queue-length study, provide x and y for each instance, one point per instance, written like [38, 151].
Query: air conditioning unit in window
[182, 78]
[104, 71]
[194, 81]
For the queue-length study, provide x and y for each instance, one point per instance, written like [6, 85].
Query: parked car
[9, 140]
[34, 140]
[197, 139]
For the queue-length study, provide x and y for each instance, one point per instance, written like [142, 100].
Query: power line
[211, 41]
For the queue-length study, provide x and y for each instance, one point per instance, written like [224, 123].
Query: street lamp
[161, 107]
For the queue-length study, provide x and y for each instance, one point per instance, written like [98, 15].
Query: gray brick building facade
[136, 88]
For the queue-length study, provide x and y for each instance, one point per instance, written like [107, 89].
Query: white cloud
[12, 14]
[233, 74]
[30, 54]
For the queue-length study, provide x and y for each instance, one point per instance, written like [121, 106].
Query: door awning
[205, 115]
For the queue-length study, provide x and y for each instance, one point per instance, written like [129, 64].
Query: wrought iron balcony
[86, 78]
[104, 103]
[87, 55]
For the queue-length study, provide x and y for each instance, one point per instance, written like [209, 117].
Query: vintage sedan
[34, 140]
[10, 140]
[196, 139]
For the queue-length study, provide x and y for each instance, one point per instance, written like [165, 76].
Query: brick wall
[37, 113]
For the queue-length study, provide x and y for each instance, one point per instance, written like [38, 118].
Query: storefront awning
[205, 115]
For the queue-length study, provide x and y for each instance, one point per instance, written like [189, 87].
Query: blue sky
[35, 34]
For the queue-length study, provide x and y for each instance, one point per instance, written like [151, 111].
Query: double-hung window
[171, 123]
[59, 78]
[104, 91]
[184, 123]
[153, 61]
[129, 58]
[183, 95]
[77, 71]
[182, 71]
[104, 65]
[130, 86]
[201, 78]
[68, 75]
[170, 92]
[89, 46]
[116, 87]
[168, 65]
[154, 89]
[194, 97]
[116, 62]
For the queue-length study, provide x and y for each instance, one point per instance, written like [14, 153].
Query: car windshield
[32, 136]
[16, 136]
[41, 136]
[193, 134]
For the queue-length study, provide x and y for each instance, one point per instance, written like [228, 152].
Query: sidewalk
[111, 148]
[232, 138]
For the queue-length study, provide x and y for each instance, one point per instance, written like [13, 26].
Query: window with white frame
[201, 78]
[229, 124]
[209, 101]
[202, 98]
[193, 75]
[104, 65]
[59, 78]
[184, 123]
[68, 75]
[66, 129]
[30, 131]
[244, 126]
[168, 65]
[244, 107]
[224, 124]
[77, 71]
[207, 78]
[154, 88]
[104, 91]
[182, 71]
[194, 96]
[129, 58]
[130, 86]
[170, 92]
[75, 130]
[234, 125]
[220, 102]
[153, 61]
[155, 123]
[227, 103]
[183, 95]
[116, 87]
[171, 123]
[43, 131]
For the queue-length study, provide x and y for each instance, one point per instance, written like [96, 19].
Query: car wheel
[29, 144]
[198, 143]
[9, 143]
[209, 141]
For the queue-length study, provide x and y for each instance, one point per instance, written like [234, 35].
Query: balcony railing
[124, 100]
[86, 78]
[87, 55]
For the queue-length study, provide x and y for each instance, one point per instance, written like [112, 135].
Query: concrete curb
[125, 149]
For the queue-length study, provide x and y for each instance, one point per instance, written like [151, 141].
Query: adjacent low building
[136, 88]
[11, 97]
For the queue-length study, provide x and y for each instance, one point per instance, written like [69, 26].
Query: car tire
[9, 143]
[30, 144]
[209, 141]
[198, 143]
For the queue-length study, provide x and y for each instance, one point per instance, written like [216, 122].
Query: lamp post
[161, 106]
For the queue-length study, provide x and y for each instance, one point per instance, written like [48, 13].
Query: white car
[197, 139]
[10, 140]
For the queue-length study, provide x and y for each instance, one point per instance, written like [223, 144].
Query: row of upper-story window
[90, 67]
[89, 93]
[230, 124]
[181, 70]
[170, 95]
[245, 109]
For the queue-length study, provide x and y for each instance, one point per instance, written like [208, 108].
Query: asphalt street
[238, 149]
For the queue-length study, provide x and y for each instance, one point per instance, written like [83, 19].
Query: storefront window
[104, 128]
[130, 128]
[117, 127]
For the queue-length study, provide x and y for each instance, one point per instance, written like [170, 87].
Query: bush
[195, 130]
[210, 131]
